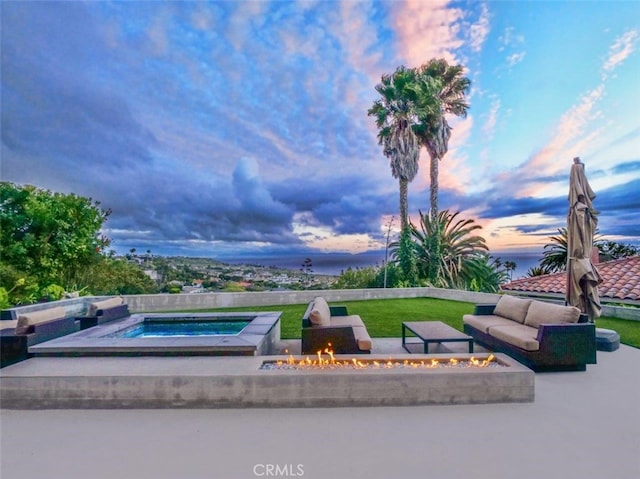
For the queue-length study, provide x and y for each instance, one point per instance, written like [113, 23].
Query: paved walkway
[582, 425]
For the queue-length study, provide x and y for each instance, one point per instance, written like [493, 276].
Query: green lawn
[384, 317]
[628, 330]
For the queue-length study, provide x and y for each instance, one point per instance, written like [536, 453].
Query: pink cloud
[247, 15]
[489, 126]
[453, 171]
[358, 38]
[571, 128]
[479, 31]
[575, 131]
[426, 30]
[572, 136]
[515, 58]
[622, 48]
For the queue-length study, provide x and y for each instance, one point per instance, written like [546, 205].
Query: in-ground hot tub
[173, 334]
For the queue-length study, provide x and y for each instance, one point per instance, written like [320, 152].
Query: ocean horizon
[335, 263]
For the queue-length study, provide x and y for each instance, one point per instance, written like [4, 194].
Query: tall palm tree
[434, 130]
[397, 114]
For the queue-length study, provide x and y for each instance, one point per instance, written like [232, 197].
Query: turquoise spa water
[161, 329]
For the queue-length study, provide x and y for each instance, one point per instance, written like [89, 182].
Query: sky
[239, 128]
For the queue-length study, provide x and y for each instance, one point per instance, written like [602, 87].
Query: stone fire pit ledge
[238, 382]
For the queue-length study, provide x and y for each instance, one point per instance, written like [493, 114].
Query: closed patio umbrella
[582, 276]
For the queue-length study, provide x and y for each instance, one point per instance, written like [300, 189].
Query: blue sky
[233, 129]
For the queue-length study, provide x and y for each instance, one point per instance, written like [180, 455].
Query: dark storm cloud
[613, 201]
[620, 200]
[63, 128]
[174, 206]
[57, 115]
[628, 167]
[502, 207]
[347, 204]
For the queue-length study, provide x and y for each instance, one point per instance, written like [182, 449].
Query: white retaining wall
[176, 302]
[185, 302]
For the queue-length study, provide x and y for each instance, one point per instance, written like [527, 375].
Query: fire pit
[264, 381]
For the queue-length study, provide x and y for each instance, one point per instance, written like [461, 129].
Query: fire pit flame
[327, 360]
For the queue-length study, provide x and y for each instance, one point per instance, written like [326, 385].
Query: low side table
[433, 332]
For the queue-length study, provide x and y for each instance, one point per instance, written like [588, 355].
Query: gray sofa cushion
[524, 337]
[362, 338]
[352, 320]
[104, 304]
[547, 313]
[512, 308]
[486, 321]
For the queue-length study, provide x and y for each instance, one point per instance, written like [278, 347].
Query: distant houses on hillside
[198, 275]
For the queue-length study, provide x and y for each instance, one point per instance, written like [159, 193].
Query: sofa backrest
[104, 304]
[512, 308]
[27, 320]
[546, 313]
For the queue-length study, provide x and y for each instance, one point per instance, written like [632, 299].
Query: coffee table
[433, 332]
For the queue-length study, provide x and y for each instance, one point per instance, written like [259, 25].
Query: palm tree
[554, 257]
[536, 271]
[397, 112]
[448, 250]
[510, 267]
[434, 131]
[482, 273]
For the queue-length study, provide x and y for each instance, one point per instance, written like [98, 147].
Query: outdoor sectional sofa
[325, 326]
[541, 335]
[32, 328]
[35, 327]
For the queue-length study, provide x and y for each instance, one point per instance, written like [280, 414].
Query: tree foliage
[554, 257]
[356, 278]
[446, 246]
[446, 86]
[612, 250]
[446, 252]
[404, 254]
[52, 242]
[50, 236]
[411, 112]
[370, 277]
[397, 114]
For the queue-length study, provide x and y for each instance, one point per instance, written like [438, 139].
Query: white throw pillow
[320, 314]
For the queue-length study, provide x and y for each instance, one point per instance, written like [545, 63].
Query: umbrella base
[607, 340]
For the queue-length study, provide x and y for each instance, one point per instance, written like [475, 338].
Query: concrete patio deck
[581, 425]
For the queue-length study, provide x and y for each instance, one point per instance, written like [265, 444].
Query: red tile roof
[620, 280]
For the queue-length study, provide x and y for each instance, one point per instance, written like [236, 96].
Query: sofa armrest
[317, 338]
[484, 309]
[338, 311]
[569, 343]
[52, 330]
